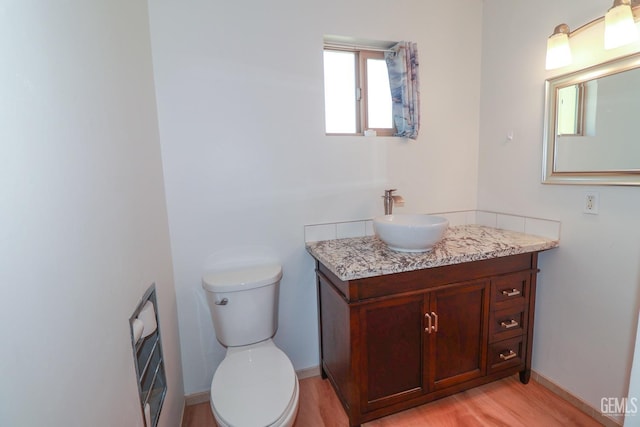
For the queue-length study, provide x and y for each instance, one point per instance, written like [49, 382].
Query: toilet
[255, 384]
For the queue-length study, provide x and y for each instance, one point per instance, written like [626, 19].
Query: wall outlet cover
[591, 203]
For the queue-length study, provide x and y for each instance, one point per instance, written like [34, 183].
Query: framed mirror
[592, 125]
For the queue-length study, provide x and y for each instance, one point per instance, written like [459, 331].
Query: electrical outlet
[591, 203]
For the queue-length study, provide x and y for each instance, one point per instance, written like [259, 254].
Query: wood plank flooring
[505, 403]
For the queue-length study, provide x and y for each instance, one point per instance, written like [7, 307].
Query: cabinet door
[392, 359]
[458, 342]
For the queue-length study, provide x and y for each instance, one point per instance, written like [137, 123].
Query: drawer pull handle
[512, 324]
[435, 327]
[428, 328]
[512, 293]
[508, 356]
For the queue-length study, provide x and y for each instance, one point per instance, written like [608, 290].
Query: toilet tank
[243, 303]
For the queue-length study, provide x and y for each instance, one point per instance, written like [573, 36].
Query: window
[356, 91]
[571, 110]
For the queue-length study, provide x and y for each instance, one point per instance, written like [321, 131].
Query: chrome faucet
[390, 199]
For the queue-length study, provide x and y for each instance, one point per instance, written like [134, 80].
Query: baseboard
[575, 401]
[313, 371]
[196, 398]
[203, 396]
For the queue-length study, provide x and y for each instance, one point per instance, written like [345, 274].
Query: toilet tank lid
[241, 279]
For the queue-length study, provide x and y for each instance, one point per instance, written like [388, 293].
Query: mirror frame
[549, 175]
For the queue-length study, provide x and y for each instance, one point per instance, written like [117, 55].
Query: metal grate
[149, 361]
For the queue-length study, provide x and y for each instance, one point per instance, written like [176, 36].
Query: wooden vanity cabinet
[395, 341]
[423, 342]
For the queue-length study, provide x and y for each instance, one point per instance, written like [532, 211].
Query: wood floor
[505, 403]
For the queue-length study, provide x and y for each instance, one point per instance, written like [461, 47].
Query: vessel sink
[410, 232]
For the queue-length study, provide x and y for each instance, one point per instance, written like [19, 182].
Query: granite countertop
[360, 257]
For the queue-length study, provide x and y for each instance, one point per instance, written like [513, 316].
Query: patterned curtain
[402, 64]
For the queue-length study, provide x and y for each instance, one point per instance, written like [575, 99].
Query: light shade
[619, 27]
[558, 50]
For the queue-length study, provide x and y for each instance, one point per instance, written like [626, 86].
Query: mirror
[591, 133]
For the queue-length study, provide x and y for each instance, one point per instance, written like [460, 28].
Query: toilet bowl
[255, 385]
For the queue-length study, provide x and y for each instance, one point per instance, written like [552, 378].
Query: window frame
[361, 55]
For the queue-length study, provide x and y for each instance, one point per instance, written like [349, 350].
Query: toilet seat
[254, 386]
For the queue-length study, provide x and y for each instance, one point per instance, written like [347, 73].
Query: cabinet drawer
[508, 323]
[510, 291]
[507, 353]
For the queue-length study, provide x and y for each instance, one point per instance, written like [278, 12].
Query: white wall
[83, 225]
[247, 164]
[588, 297]
[633, 420]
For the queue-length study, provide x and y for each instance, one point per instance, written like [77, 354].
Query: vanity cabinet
[399, 340]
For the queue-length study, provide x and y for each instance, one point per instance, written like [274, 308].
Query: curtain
[402, 65]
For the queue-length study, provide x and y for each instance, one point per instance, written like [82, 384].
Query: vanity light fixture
[619, 30]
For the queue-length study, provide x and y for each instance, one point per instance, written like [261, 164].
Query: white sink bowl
[410, 232]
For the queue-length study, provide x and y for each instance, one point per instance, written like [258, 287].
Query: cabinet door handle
[435, 326]
[428, 328]
[512, 324]
[508, 356]
[512, 293]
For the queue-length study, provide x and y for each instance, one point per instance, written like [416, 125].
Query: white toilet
[255, 385]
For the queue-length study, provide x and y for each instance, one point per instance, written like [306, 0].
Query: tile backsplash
[536, 226]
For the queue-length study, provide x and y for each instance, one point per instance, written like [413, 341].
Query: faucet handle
[387, 193]
[398, 200]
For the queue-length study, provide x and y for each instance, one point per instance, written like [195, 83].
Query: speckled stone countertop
[360, 257]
